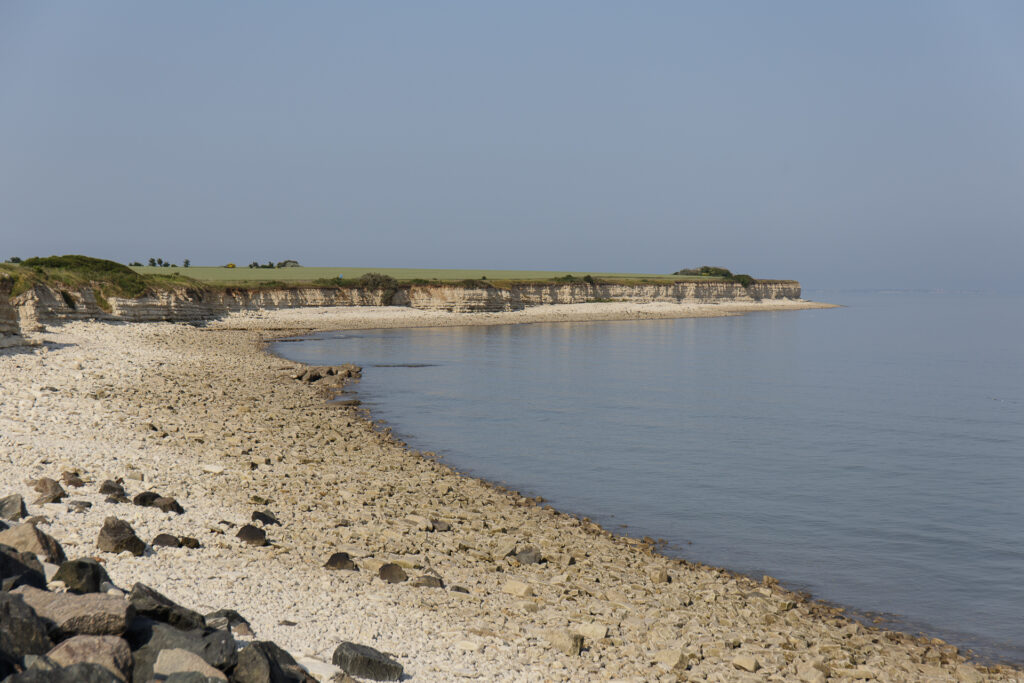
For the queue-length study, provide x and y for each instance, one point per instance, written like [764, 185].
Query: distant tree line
[159, 262]
[290, 263]
[715, 271]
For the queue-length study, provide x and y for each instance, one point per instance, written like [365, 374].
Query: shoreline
[166, 401]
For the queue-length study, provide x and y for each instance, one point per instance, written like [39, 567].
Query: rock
[529, 555]
[110, 652]
[76, 673]
[659, 575]
[265, 662]
[746, 662]
[341, 561]
[565, 641]
[440, 525]
[420, 522]
[226, 619]
[427, 581]
[673, 659]
[808, 674]
[148, 638]
[189, 542]
[168, 504]
[72, 479]
[84, 575]
[252, 535]
[266, 517]
[26, 538]
[95, 614]
[20, 569]
[112, 488]
[391, 573]
[150, 603]
[166, 540]
[51, 491]
[22, 631]
[213, 469]
[593, 631]
[517, 588]
[146, 498]
[117, 536]
[176, 660]
[365, 662]
[78, 506]
[526, 606]
[13, 507]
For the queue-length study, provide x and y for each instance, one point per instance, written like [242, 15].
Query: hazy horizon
[844, 146]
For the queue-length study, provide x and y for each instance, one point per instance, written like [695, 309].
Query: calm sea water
[873, 455]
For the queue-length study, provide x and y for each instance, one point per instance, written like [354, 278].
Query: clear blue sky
[844, 144]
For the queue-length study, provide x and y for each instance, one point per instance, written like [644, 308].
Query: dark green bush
[122, 279]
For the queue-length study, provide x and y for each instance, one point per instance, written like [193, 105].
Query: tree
[186, 263]
[14, 259]
[152, 262]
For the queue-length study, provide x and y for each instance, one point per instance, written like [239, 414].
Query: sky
[847, 145]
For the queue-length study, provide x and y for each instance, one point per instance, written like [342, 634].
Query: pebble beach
[452, 577]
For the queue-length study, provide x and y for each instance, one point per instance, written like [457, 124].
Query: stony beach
[451, 577]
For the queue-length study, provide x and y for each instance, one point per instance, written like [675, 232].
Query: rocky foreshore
[214, 510]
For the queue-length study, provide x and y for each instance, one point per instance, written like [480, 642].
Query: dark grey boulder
[365, 662]
[266, 517]
[166, 540]
[76, 673]
[69, 614]
[20, 569]
[168, 504]
[392, 573]
[157, 606]
[225, 619]
[265, 662]
[108, 651]
[341, 561]
[117, 536]
[112, 488]
[13, 507]
[22, 631]
[147, 638]
[84, 575]
[252, 535]
[27, 538]
[189, 677]
[146, 498]
[51, 490]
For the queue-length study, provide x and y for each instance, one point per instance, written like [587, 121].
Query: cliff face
[10, 330]
[43, 305]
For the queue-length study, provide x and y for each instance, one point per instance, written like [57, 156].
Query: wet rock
[177, 660]
[146, 498]
[112, 488]
[20, 569]
[52, 492]
[26, 538]
[365, 662]
[22, 631]
[252, 535]
[266, 517]
[265, 662]
[392, 573]
[96, 614]
[168, 504]
[341, 561]
[72, 479]
[117, 536]
[565, 641]
[84, 575]
[76, 673]
[110, 652]
[158, 607]
[166, 540]
[13, 507]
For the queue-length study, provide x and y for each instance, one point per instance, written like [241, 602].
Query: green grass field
[221, 276]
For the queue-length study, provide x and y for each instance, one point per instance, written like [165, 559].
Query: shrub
[14, 259]
[186, 263]
[743, 279]
[84, 269]
[387, 285]
[589, 279]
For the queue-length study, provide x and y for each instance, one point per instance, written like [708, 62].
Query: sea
[871, 455]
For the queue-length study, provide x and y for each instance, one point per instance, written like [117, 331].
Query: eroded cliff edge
[45, 305]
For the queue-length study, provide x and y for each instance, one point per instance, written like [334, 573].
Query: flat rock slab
[110, 652]
[176, 660]
[27, 538]
[96, 614]
[365, 662]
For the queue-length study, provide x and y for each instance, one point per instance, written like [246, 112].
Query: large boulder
[76, 673]
[264, 662]
[22, 631]
[20, 569]
[84, 575]
[178, 661]
[51, 490]
[109, 652]
[365, 662]
[95, 614]
[158, 607]
[148, 638]
[27, 538]
[13, 507]
[117, 536]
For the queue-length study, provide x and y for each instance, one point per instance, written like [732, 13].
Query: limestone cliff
[10, 332]
[43, 305]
